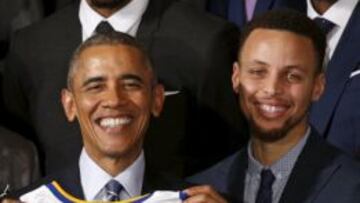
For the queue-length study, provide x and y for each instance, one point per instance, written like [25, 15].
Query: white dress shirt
[126, 20]
[339, 13]
[93, 178]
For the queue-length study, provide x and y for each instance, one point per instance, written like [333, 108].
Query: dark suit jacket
[19, 163]
[337, 114]
[322, 174]
[238, 15]
[190, 50]
[69, 179]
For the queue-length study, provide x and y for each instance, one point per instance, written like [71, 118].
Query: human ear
[158, 100]
[319, 86]
[235, 78]
[67, 100]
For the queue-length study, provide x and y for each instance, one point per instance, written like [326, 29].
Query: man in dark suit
[112, 92]
[19, 163]
[278, 75]
[336, 115]
[190, 50]
[242, 11]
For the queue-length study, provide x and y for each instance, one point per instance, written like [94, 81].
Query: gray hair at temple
[111, 38]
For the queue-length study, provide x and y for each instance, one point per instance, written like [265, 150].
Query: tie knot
[104, 27]
[267, 178]
[113, 189]
[325, 25]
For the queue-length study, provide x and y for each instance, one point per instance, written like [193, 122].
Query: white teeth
[271, 108]
[114, 122]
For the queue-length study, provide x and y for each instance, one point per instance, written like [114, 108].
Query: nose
[115, 97]
[272, 85]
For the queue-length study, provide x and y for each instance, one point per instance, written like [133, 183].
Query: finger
[206, 190]
[10, 201]
[202, 198]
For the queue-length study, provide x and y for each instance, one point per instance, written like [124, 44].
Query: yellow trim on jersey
[76, 200]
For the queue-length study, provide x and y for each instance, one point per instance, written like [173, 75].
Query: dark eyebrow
[93, 80]
[132, 77]
[260, 62]
[295, 67]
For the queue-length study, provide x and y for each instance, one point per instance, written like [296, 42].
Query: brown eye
[257, 72]
[94, 87]
[132, 85]
[294, 77]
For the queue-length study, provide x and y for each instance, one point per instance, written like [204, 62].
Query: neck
[267, 153]
[114, 165]
[321, 6]
[106, 12]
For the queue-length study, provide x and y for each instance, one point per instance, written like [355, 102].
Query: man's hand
[203, 194]
[10, 201]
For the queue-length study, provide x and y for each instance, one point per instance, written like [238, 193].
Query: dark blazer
[337, 114]
[235, 10]
[322, 174]
[69, 179]
[191, 51]
[19, 163]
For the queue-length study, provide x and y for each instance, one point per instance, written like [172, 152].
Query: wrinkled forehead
[112, 61]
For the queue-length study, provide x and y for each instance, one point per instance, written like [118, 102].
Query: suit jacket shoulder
[321, 174]
[18, 160]
[225, 176]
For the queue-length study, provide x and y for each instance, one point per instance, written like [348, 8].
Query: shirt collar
[123, 20]
[339, 13]
[94, 178]
[281, 168]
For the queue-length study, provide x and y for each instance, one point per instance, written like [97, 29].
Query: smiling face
[112, 95]
[276, 80]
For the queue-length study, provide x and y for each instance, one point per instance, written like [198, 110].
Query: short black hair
[110, 38]
[291, 21]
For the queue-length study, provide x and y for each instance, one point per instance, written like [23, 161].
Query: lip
[272, 110]
[114, 124]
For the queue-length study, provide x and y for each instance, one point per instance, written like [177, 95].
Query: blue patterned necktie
[325, 25]
[264, 194]
[113, 189]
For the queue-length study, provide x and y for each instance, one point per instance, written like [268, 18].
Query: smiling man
[112, 92]
[277, 75]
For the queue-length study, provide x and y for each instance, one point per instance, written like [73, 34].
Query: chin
[109, 3]
[268, 133]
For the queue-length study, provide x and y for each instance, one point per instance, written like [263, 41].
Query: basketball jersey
[54, 193]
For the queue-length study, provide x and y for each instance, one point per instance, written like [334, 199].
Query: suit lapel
[263, 6]
[237, 12]
[343, 62]
[72, 35]
[299, 5]
[316, 160]
[217, 7]
[236, 177]
[150, 22]
[69, 180]
[158, 181]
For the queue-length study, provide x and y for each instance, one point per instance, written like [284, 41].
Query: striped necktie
[112, 190]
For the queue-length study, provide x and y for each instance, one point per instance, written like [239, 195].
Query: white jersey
[54, 193]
